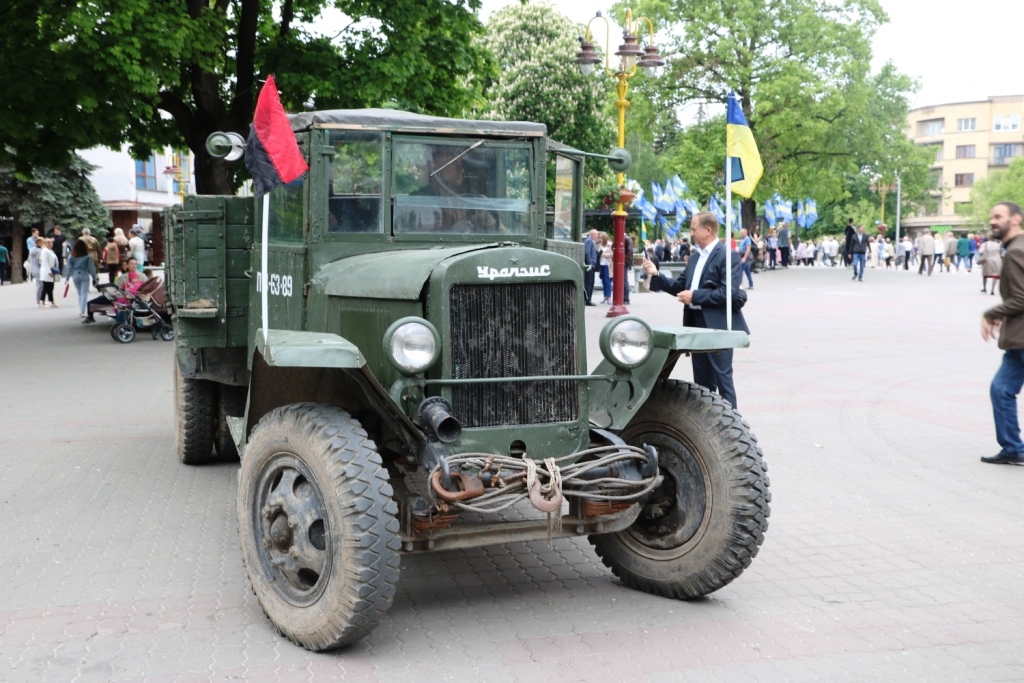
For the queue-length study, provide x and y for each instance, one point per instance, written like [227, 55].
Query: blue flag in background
[659, 198]
[769, 213]
[670, 194]
[800, 213]
[679, 186]
[810, 212]
[646, 208]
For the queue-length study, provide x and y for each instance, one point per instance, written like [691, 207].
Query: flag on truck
[741, 150]
[271, 151]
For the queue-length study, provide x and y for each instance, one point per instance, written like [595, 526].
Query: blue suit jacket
[590, 256]
[709, 294]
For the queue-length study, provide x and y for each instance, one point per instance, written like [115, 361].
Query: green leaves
[155, 73]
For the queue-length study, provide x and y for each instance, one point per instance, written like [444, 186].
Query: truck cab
[422, 370]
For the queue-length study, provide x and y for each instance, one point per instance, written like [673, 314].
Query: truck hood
[386, 275]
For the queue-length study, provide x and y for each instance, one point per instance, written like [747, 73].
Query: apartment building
[970, 140]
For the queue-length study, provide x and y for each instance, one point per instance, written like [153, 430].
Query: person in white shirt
[137, 247]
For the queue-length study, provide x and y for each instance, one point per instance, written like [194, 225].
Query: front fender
[617, 395]
[289, 349]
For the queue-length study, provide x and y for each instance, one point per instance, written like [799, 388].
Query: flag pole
[263, 267]
[728, 242]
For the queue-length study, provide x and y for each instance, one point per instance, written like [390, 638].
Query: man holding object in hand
[1007, 322]
[702, 291]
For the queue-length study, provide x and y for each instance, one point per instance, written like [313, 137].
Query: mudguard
[290, 349]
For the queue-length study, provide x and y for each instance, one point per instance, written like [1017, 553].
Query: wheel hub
[675, 513]
[291, 529]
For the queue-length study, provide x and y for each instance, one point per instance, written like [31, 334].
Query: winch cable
[504, 495]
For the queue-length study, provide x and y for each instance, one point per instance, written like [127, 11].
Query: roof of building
[404, 121]
[1000, 99]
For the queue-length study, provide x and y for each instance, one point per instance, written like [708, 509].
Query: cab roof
[408, 122]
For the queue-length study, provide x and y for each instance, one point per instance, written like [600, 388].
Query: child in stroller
[134, 304]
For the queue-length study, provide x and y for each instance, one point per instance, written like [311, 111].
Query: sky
[958, 50]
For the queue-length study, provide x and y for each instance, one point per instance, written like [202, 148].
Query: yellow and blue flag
[741, 150]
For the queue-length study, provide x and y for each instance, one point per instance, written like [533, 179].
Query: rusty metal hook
[469, 487]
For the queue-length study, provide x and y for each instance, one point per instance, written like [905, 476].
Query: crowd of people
[53, 257]
[926, 251]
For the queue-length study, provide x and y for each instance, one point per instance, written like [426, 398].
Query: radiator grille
[514, 330]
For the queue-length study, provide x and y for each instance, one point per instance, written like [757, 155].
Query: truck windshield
[471, 186]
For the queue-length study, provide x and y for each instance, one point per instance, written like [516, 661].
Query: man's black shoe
[591, 304]
[1003, 459]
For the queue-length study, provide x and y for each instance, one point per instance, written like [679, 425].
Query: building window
[181, 160]
[963, 179]
[966, 124]
[938, 153]
[1006, 122]
[1001, 154]
[930, 127]
[936, 177]
[145, 173]
[965, 151]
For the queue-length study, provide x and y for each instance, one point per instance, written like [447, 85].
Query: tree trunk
[17, 250]
[214, 176]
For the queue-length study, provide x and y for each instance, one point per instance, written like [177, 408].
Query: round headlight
[411, 344]
[626, 342]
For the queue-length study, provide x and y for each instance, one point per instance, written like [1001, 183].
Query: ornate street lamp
[632, 56]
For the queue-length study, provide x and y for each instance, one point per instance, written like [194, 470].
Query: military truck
[421, 384]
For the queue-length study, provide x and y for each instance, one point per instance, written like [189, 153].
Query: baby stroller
[142, 310]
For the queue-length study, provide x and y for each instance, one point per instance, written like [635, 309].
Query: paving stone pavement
[893, 554]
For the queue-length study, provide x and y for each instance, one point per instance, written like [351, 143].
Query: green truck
[420, 383]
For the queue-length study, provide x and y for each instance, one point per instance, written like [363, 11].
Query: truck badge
[485, 273]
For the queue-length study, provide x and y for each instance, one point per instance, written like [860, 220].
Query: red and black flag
[271, 152]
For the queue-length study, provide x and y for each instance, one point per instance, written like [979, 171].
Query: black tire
[703, 527]
[166, 332]
[195, 418]
[123, 333]
[230, 403]
[317, 525]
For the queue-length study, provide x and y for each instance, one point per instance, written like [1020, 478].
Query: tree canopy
[1001, 186]
[160, 73]
[800, 69]
[536, 80]
[63, 196]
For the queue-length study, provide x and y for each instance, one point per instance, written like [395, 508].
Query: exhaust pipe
[436, 417]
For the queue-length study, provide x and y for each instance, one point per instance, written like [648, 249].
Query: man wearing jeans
[1007, 320]
[859, 247]
[746, 257]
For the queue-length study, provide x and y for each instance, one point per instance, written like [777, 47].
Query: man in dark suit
[849, 234]
[859, 251]
[702, 291]
[590, 260]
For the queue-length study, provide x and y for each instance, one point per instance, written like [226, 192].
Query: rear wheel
[167, 332]
[317, 525]
[230, 403]
[195, 418]
[705, 524]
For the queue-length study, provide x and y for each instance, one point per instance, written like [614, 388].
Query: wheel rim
[124, 334]
[167, 333]
[291, 530]
[675, 518]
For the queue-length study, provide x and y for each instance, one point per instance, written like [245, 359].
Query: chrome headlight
[412, 345]
[627, 342]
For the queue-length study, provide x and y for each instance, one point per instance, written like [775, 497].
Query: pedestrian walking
[5, 262]
[859, 248]
[990, 258]
[702, 291]
[81, 271]
[590, 257]
[58, 246]
[784, 244]
[890, 253]
[47, 271]
[926, 250]
[137, 246]
[773, 249]
[112, 259]
[950, 253]
[746, 257]
[848, 234]
[605, 263]
[1007, 322]
[33, 266]
[93, 245]
[963, 252]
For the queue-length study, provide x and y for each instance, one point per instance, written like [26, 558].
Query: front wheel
[706, 522]
[317, 525]
[123, 333]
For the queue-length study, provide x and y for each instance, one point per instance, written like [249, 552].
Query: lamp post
[632, 56]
